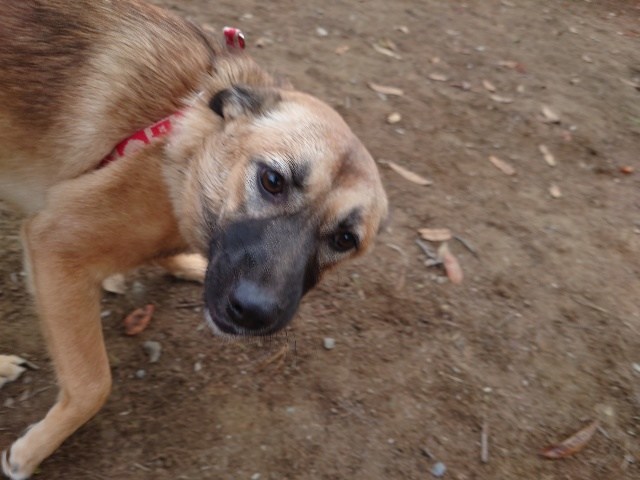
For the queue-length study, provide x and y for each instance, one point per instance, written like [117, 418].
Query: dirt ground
[541, 338]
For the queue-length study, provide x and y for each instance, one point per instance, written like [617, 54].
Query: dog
[237, 180]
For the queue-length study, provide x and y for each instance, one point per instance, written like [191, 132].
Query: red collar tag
[233, 37]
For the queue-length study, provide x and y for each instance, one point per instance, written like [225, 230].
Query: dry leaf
[548, 156]
[394, 117]
[462, 85]
[630, 83]
[503, 166]
[554, 191]
[488, 86]
[549, 115]
[388, 44]
[385, 90]
[342, 49]
[499, 99]
[517, 66]
[435, 234]
[508, 64]
[115, 284]
[438, 77]
[573, 444]
[386, 51]
[451, 264]
[408, 175]
[138, 320]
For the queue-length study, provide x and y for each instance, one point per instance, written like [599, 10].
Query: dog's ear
[240, 100]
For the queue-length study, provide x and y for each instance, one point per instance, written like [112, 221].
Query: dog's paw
[11, 367]
[187, 266]
[11, 470]
[115, 284]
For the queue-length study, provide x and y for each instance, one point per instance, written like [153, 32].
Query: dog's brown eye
[272, 181]
[343, 241]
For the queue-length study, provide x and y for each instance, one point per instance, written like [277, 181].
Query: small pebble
[141, 373]
[438, 470]
[329, 343]
[321, 32]
[394, 117]
[153, 350]
[636, 367]
[255, 476]
[197, 366]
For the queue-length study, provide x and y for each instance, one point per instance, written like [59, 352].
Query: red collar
[141, 138]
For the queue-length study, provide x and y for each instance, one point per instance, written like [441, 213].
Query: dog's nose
[251, 306]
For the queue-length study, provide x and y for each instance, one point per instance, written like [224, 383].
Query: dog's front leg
[66, 283]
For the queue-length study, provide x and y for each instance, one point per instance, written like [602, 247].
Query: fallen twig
[190, 305]
[484, 443]
[431, 255]
[584, 303]
[466, 245]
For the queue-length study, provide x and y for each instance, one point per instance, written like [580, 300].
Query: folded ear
[240, 100]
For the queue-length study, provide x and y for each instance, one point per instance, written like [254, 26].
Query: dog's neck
[234, 40]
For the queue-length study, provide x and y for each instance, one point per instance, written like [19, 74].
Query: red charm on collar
[141, 138]
[233, 37]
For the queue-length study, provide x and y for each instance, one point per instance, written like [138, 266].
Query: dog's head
[279, 190]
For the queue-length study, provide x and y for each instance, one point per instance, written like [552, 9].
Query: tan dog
[266, 182]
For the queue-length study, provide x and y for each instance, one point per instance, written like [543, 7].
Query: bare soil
[541, 337]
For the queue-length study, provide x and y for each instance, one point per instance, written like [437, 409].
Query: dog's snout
[252, 306]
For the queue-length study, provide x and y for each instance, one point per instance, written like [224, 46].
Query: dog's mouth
[218, 326]
[221, 327]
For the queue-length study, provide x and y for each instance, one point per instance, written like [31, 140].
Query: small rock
[141, 374]
[636, 367]
[321, 32]
[329, 343]
[438, 470]
[255, 476]
[153, 350]
[394, 117]
[438, 77]
[105, 313]
[197, 366]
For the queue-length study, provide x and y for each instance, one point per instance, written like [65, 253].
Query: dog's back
[77, 77]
